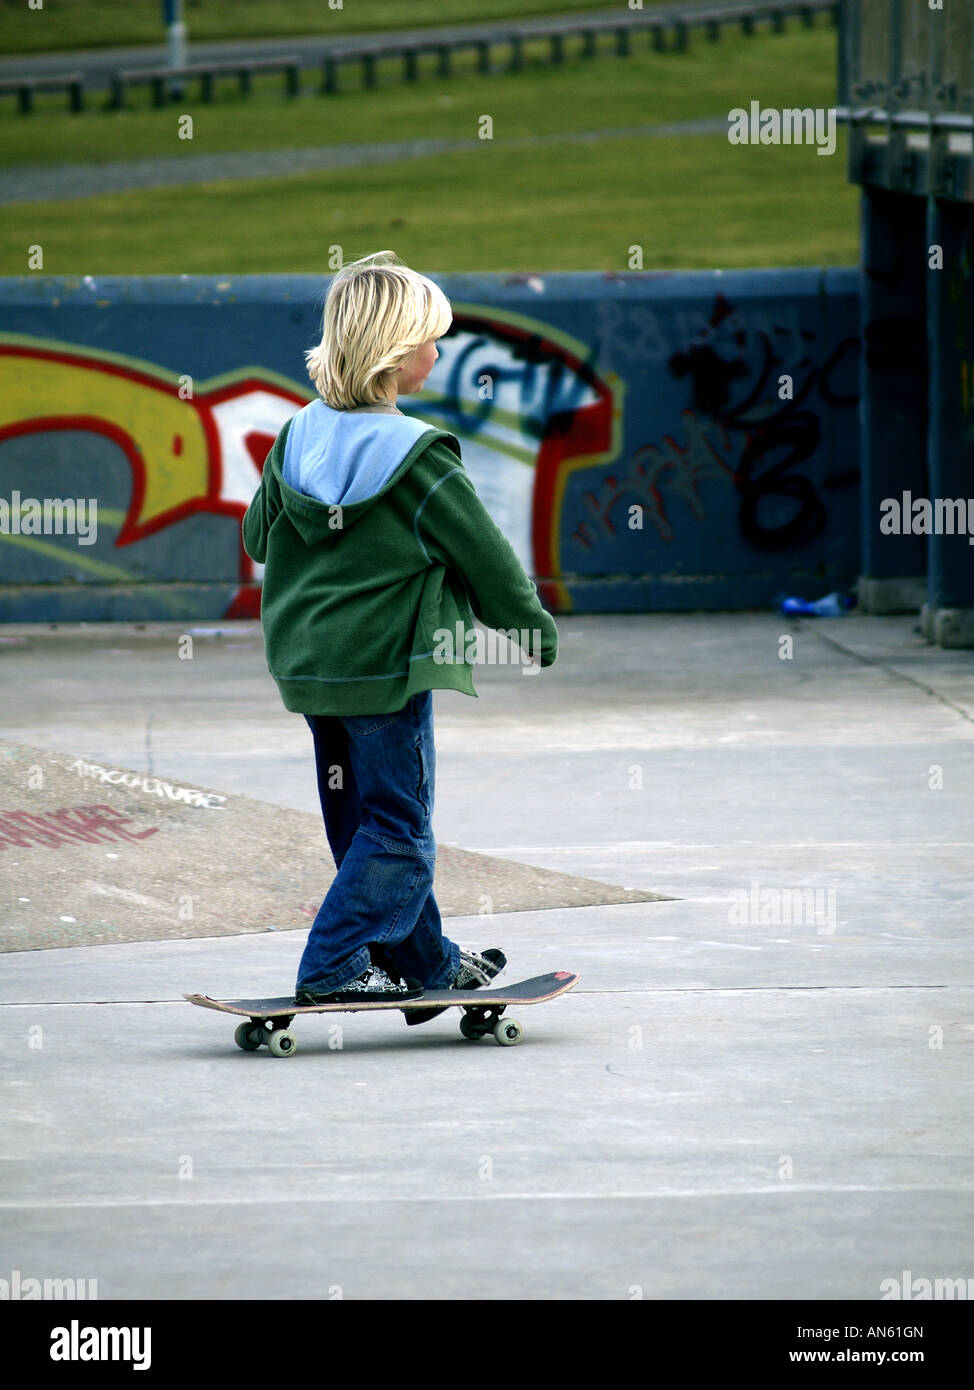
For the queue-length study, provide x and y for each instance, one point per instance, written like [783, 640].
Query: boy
[374, 543]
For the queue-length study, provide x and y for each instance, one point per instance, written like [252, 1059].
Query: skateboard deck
[269, 1020]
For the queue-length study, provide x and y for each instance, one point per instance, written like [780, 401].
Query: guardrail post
[483, 55]
[658, 38]
[622, 43]
[158, 85]
[329, 75]
[206, 86]
[445, 55]
[292, 79]
[117, 101]
[713, 30]
[517, 53]
[368, 69]
[682, 36]
[557, 48]
[588, 43]
[409, 66]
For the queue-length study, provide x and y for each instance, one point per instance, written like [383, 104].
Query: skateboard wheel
[282, 1043]
[508, 1031]
[470, 1029]
[249, 1036]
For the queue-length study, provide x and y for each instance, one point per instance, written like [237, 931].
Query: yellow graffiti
[72, 559]
[163, 433]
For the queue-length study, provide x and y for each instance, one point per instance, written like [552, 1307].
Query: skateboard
[269, 1020]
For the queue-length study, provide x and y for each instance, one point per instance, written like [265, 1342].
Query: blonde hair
[378, 312]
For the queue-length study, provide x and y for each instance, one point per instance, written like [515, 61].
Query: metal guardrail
[906, 120]
[880, 152]
[666, 31]
[160, 79]
[25, 87]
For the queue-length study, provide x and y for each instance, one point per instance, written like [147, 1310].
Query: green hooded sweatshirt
[377, 556]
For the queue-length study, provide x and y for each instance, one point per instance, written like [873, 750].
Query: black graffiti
[799, 437]
[710, 377]
[774, 443]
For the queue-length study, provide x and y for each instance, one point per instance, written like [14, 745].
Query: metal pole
[172, 16]
[172, 11]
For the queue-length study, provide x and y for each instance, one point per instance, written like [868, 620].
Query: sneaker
[475, 971]
[478, 970]
[374, 986]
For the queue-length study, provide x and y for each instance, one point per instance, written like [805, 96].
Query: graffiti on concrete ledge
[193, 447]
[530, 410]
[577, 400]
[752, 422]
[526, 406]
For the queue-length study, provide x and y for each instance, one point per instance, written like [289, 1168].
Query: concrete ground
[759, 1090]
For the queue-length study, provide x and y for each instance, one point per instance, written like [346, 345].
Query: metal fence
[498, 48]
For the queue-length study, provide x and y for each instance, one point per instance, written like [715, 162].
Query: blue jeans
[375, 784]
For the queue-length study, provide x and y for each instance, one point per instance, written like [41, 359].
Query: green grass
[795, 68]
[63, 24]
[690, 202]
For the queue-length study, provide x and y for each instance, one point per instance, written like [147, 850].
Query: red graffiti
[72, 825]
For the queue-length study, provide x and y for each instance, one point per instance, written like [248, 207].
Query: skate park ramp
[91, 854]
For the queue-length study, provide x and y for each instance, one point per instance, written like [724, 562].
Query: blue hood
[342, 457]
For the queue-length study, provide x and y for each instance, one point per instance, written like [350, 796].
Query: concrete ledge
[905, 594]
[948, 627]
[91, 854]
[34, 605]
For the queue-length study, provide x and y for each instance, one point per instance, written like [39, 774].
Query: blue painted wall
[647, 441]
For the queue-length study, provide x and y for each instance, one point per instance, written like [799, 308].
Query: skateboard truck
[272, 1031]
[479, 1020]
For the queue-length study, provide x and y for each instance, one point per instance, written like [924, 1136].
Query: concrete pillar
[893, 406]
[948, 615]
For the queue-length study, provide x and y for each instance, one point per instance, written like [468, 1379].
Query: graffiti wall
[646, 441]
